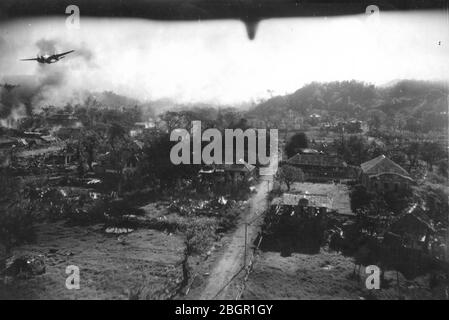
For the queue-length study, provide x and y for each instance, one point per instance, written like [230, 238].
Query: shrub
[16, 227]
[199, 234]
[360, 198]
[228, 219]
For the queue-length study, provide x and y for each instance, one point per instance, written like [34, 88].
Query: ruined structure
[229, 172]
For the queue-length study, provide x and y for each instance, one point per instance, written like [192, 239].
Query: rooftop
[315, 200]
[221, 168]
[383, 165]
[316, 159]
[414, 219]
[237, 167]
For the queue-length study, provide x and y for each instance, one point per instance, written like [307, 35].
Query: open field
[323, 276]
[144, 264]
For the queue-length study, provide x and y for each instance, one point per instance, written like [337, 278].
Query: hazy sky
[215, 62]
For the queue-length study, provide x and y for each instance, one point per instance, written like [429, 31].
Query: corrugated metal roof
[315, 200]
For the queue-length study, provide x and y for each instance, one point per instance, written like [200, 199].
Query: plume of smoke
[46, 46]
[48, 86]
[33, 93]
[57, 84]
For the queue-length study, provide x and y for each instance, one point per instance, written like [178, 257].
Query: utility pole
[246, 236]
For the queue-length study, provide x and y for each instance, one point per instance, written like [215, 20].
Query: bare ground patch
[143, 264]
[323, 276]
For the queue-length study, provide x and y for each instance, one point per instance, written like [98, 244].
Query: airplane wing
[35, 59]
[62, 54]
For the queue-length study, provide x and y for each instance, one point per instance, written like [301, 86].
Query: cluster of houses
[27, 145]
[379, 175]
[351, 126]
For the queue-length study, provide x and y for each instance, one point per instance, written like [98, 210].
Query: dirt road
[232, 260]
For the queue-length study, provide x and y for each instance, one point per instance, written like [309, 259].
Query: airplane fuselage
[47, 60]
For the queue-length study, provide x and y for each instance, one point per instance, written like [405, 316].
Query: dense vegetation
[416, 106]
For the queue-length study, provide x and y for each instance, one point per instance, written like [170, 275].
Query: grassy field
[148, 263]
[144, 263]
[323, 276]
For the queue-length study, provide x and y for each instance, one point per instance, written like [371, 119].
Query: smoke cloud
[47, 86]
[213, 62]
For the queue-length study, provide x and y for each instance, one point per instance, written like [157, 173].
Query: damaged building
[296, 223]
[414, 228]
[235, 173]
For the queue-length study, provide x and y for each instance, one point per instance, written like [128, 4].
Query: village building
[107, 164]
[33, 138]
[139, 127]
[63, 119]
[311, 204]
[383, 175]
[320, 167]
[414, 228]
[350, 126]
[254, 122]
[308, 151]
[296, 223]
[236, 173]
[315, 119]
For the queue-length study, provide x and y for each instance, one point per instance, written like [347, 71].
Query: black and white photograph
[249, 150]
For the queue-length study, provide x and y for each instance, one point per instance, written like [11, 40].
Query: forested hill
[416, 102]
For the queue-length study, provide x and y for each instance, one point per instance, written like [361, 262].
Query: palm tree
[90, 142]
[119, 145]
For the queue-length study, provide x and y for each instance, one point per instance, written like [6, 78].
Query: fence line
[249, 269]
